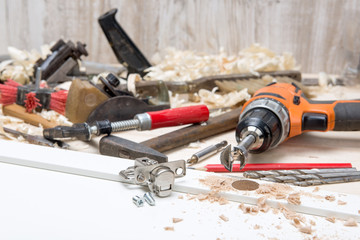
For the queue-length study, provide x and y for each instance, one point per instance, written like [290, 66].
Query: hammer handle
[181, 137]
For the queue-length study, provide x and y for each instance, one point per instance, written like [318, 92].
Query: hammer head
[120, 147]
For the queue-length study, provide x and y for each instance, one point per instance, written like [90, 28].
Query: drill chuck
[267, 120]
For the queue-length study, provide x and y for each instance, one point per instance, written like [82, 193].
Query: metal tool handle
[179, 116]
[125, 50]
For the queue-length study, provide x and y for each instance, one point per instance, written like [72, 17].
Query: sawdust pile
[216, 184]
[176, 65]
[276, 190]
[294, 198]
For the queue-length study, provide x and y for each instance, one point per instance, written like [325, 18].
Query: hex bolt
[138, 201]
[149, 198]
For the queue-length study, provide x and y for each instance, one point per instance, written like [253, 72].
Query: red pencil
[271, 166]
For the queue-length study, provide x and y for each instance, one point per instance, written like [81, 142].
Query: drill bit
[207, 152]
[307, 177]
[238, 153]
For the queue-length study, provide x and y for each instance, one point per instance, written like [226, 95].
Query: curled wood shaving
[175, 65]
[224, 218]
[341, 202]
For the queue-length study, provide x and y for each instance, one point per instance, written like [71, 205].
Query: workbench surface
[42, 204]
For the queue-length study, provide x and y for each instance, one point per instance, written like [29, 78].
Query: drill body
[280, 111]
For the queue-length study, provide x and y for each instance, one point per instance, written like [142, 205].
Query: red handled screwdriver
[142, 121]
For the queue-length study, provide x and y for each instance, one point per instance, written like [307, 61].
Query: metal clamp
[159, 177]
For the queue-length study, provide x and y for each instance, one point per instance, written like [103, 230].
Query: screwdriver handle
[179, 116]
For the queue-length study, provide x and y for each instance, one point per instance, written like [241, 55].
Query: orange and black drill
[280, 111]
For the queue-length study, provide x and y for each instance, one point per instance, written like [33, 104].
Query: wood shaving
[294, 198]
[224, 218]
[331, 219]
[256, 227]
[330, 198]
[217, 183]
[316, 189]
[169, 228]
[289, 214]
[180, 197]
[253, 210]
[341, 202]
[261, 203]
[350, 223]
[175, 65]
[296, 222]
[274, 189]
[280, 196]
[176, 220]
[215, 100]
[312, 222]
[306, 229]
[278, 227]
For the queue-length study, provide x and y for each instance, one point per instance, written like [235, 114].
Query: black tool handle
[125, 50]
[347, 116]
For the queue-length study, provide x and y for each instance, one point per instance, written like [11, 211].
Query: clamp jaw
[159, 177]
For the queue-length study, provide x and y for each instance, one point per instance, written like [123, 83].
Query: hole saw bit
[280, 111]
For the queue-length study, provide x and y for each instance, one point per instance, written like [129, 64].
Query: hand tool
[183, 136]
[33, 97]
[159, 177]
[120, 147]
[209, 82]
[36, 139]
[142, 121]
[206, 152]
[61, 65]
[124, 100]
[280, 111]
[271, 166]
[307, 177]
[18, 111]
[125, 50]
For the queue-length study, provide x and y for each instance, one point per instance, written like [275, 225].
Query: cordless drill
[280, 111]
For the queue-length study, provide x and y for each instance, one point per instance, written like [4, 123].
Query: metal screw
[149, 198]
[140, 178]
[138, 201]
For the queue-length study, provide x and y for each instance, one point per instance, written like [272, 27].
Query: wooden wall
[313, 30]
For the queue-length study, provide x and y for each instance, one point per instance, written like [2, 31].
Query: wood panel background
[315, 31]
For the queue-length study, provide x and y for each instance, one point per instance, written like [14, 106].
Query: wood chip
[176, 220]
[278, 227]
[350, 222]
[180, 197]
[294, 198]
[256, 227]
[312, 222]
[316, 189]
[330, 198]
[224, 218]
[331, 219]
[341, 202]
[169, 228]
[305, 229]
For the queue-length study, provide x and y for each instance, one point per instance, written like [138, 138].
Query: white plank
[103, 167]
